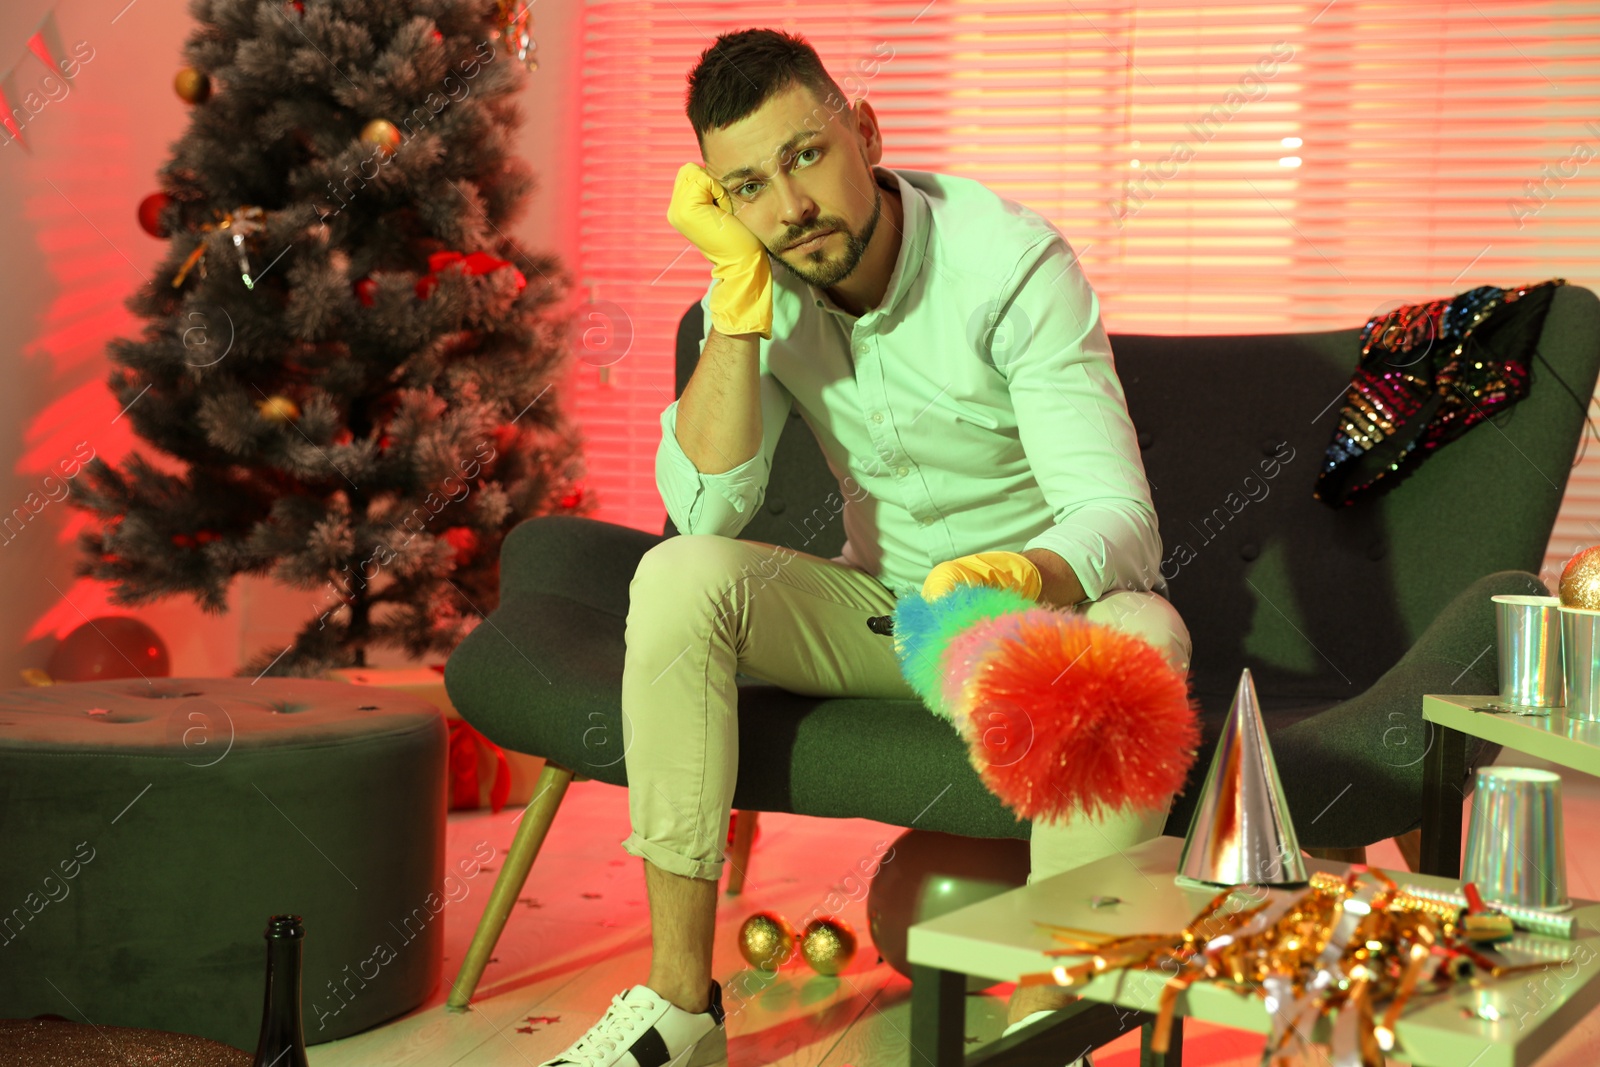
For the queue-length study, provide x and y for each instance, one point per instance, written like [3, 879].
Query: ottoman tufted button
[1144, 439]
[775, 506]
[1249, 551]
[1377, 550]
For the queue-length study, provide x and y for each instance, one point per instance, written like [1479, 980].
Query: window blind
[1220, 168]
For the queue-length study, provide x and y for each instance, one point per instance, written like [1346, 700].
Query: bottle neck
[280, 1017]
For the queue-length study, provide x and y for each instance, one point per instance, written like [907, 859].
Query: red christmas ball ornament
[504, 437]
[183, 540]
[110, 646]
[366, 288]
[463, 539]
[572, 498]
[343, 437]
[384, 442]
[297, 7]
[150, 209]
[437, 36]
[205, 537]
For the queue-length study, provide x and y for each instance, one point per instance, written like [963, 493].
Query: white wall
[73, 252]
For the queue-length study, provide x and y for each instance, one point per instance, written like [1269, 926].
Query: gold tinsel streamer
[242, 222]
[1356, 944]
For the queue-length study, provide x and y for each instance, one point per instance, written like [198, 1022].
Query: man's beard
[831, 272]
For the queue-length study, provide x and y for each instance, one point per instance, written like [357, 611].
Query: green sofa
[1345, 617]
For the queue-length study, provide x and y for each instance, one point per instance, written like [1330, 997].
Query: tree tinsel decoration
[422, 430]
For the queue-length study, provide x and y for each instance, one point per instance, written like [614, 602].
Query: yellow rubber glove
[741, 301]
[1008, 570]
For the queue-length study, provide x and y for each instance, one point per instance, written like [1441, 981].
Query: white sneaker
[643, 1029]
[1081, 1061]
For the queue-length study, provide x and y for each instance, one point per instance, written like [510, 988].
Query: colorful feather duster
[1061, 715]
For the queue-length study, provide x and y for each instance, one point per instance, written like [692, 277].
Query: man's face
[820, 180]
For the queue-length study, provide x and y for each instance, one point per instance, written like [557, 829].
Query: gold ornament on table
[382, 134]
[241, 222]
[1580, 580]
[828, 944]
[1359, 944]
[278, 409]
[193, 86]
[515, 25]
[766, 941]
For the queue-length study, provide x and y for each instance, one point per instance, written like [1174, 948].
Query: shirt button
[901, 471]
[877, 416]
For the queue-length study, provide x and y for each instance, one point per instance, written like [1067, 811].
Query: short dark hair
[745, 69]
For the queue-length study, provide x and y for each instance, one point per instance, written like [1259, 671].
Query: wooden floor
[580, 936]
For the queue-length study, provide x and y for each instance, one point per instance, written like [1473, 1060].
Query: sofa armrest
[1361, 760]
[582, 559]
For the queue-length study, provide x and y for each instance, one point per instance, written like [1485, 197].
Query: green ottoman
[150, 828]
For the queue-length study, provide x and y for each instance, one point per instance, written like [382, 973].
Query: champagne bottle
[282, 1042]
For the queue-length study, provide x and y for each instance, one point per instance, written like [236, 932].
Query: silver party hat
[1241, 833]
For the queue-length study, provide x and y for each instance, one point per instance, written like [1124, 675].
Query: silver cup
[1516, 851]
[1580, 656]
[1529, 631]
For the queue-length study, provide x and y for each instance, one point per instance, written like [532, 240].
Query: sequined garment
[1426, 374]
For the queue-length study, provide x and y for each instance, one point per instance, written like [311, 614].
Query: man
[947, 352]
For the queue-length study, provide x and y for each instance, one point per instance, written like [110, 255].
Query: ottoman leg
[536, 819]
[744, 832]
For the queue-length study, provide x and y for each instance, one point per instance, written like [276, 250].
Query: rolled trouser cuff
[670, 861]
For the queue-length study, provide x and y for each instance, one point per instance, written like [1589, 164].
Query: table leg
[1444, 769]
[938, 1017]
[1173, 1057]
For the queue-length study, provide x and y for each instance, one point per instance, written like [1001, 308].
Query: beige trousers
[704, 607]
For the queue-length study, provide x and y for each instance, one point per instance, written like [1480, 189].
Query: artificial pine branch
[360, 419]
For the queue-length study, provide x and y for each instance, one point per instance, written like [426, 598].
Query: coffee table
[1000, 938]
[1564, 741]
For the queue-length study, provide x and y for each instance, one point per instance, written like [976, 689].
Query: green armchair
[1345, 618]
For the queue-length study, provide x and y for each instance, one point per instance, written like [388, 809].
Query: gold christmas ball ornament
[383, 134]
[278, 409]
[193, 86]
[1580, 580]
[828, 944]
[766, 941]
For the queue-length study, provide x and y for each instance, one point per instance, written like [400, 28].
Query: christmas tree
[348, 368]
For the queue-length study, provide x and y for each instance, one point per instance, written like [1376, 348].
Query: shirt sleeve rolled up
[721, 503]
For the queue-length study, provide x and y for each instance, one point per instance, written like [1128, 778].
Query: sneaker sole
[709, 1051]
